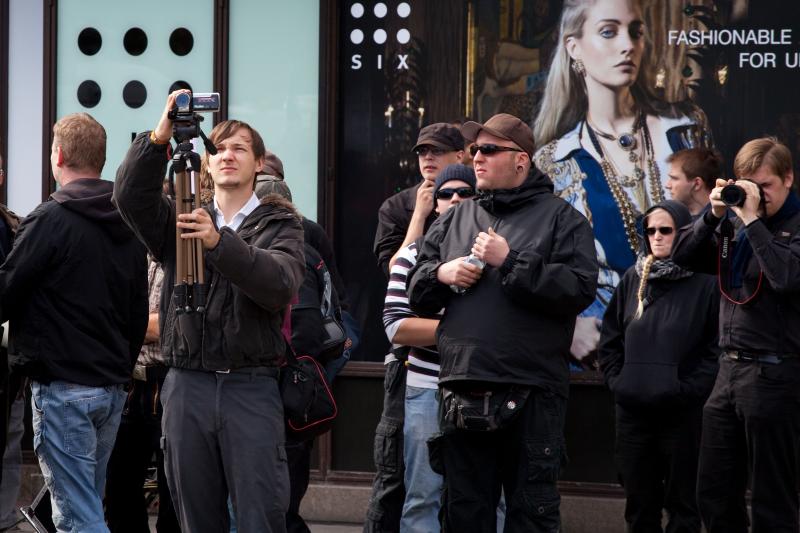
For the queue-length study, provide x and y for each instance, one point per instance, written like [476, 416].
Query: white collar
[237, 219]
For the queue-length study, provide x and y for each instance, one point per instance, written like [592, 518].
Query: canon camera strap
[725, 258]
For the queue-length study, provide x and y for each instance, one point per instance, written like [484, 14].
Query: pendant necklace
[627, 140]
[625, 205]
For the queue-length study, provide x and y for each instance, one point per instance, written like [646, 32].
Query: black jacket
[515, 325]
[253, 273]
[668, 357]
[394, 217]
[768, 324]
[74, 288]
[9, 221]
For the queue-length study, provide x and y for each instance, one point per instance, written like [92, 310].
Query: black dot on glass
[135, 41]
[89, 41]
[134, 94]
[89, 93]
[181, 41]
[180, 84]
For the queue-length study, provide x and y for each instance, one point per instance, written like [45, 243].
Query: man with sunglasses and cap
[402, 218]
[504, 341]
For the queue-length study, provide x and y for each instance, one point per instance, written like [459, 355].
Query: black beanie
[456, 171]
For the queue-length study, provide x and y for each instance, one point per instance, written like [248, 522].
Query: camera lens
[732, 196]
[183, 100]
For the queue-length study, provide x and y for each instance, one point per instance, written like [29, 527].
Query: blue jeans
[423, 485]
[74, 429]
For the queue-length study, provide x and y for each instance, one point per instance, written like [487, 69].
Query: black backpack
[334, 336]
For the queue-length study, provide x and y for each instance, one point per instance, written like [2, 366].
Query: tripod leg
[180, 255]
[30, 511]
[199, 265]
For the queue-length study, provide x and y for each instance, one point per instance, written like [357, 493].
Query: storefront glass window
[117, 62]
[274, 85]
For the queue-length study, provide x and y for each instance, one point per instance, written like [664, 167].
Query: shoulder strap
[725, 258]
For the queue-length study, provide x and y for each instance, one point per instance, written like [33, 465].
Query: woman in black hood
[658, 353]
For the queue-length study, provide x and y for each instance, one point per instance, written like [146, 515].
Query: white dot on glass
[380, 10]
[356, 36]
[379, 36]
[403, 9]
[403, 36]
[357, 10]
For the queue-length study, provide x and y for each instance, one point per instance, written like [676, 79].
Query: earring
[577, 66]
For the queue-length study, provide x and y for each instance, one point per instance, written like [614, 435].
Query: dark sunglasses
[489, 149]
[666, 230]
[422, 151]
[463, 192]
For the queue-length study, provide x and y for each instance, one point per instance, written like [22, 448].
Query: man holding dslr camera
[751, 422]
[223, 426]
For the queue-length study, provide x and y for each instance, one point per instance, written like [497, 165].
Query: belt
[272, 371]
[769, 359]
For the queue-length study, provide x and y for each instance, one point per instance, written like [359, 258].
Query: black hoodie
[515, 325]
[667, 358]
[74, 288]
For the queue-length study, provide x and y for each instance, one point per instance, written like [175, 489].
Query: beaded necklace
[626, 207]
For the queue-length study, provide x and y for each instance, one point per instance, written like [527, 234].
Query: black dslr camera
[734, 196]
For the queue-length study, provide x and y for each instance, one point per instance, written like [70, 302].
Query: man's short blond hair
[767, 151]
[83, 142]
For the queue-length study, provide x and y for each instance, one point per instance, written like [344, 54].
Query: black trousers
[751, 426]
[656, 455]
[523, 459]
[138, 438]
[388, 490]
[298, 455]
[223, 436]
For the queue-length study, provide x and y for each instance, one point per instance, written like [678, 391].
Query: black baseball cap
[441, 135]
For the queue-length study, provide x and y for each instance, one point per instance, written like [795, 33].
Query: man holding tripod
[223, 427]
[751, 421]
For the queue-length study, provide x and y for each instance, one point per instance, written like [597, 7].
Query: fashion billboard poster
[682, 73]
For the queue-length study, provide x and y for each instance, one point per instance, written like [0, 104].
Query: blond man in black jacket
[751, 421]
[74, 289]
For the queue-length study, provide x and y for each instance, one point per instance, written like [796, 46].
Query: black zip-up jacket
[768, 324]
[252, 273]
[74, 288]
[394, 217]
[668, 357]
[515, 325]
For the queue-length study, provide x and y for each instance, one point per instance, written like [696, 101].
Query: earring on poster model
[577, 66]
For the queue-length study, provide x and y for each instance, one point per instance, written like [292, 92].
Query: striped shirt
[423, 363]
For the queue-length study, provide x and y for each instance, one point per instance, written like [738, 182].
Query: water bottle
[472, 260]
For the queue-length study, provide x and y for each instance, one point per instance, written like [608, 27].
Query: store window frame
[329, 140]
[220, 76]
[4, 24]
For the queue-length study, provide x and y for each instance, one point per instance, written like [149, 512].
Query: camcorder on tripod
[190, 289]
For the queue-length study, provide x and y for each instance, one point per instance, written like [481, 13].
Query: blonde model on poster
[603, 138]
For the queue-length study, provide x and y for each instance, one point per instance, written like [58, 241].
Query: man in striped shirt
[454, 184]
